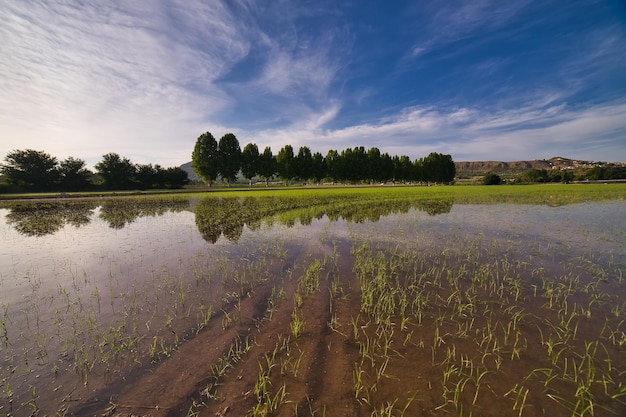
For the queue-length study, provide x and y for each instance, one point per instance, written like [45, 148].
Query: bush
[492, 179]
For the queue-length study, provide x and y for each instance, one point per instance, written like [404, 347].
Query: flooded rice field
[352, 305]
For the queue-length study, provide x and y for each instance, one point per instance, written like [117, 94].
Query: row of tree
[31, 170]
[543, 175]
[535, 175]
[597, 173]
[212, 158]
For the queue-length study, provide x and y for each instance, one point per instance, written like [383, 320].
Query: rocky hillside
[499, 167]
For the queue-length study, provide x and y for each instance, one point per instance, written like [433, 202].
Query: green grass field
[551, 194]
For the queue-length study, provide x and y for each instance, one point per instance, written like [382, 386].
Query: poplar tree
[229, 157]
[250, 161]
[285, 162]
[204, 158]
[267, 165]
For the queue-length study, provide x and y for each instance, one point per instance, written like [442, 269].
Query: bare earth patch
[367, 331]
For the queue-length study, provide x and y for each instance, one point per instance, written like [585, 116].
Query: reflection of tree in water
[214, 216]
[44, 218]
[227, 216]
[119, 213]
[438, 206]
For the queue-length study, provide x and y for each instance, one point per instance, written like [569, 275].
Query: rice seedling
[203, 317]
[359, 385]
[494, 313]
[296, 325]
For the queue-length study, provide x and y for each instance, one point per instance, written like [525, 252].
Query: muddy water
[134, 315]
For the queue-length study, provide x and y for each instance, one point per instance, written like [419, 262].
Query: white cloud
[466, 133]
[100, 78]
[286, 74]
[451, 21]
[417, 51]
[144, 79]
[536, 133]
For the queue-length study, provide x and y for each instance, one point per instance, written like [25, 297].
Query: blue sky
[479, 79]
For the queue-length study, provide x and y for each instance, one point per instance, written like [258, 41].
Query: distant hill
[482, 167]
[192, 175]
[515, 167]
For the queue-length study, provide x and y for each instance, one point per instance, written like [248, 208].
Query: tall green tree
[73, 175]
[418, 169]
[439, 168]
[229, 157]
[386, 164]
[31, 170]
[333, 165]
[204, 158]
[117, 173]
[319, 167]
[285, 162]
[347, 165]
[267, 165]
[250, 161]
[403, 168]
[303, 164]
[374, 165]
[354, 164]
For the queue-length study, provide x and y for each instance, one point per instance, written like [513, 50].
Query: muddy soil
[187, 380]
[307, 346]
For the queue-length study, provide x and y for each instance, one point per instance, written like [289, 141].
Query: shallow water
[132, 288]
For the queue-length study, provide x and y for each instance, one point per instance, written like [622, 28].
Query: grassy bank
[551, 194]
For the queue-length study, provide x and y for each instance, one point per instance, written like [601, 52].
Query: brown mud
[438, 336]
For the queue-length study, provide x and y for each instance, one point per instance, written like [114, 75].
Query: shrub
[492, 179]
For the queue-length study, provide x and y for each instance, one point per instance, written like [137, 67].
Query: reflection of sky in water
[94, 249]
[552, 233]
[146, 259]
[581, 227]
[171, 240]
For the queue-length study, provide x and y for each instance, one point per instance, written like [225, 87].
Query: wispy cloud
[288, 74]
[471, 133]
[590, 57]
[294, 67]
[111, 74]
[144, 79]
[452, 21]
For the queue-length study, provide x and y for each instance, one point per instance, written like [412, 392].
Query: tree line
[211, 158]
[597, 173]
[536, 175]
[31, 170]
